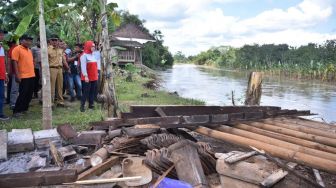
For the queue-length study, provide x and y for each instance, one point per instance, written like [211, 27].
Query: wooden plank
[302, 129]
[149, 111]
[105, 125]
[3, 145]
[110, 180]
[99, 169]
[66, 131]
[56, 155]
[189, 169]
[38, 178]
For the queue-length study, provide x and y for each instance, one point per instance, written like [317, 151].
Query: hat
[26, 37]
[53, 37]
[134, 166]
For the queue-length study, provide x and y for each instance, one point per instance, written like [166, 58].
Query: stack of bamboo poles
[302, 141]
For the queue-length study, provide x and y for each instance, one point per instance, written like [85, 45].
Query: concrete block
[43, 137]
[20, 140]
[3, 145]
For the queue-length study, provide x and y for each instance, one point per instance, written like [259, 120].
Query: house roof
[131, 31]
[125, 43]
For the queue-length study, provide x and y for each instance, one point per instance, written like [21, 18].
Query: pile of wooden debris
[171, 146]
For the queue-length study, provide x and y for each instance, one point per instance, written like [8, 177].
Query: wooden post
[46, 91]
[109, 97]
[253, 93]
[276, 151]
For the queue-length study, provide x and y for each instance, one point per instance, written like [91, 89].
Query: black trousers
[26, 90]
[9, 87]
[37, 86]
[88, 92]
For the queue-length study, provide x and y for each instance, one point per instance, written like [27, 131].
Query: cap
[26, 37]
[53, 37]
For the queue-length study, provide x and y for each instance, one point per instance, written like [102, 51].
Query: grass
[128, 93]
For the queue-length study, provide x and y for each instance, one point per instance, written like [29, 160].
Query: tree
[46, 91]
[108, 89]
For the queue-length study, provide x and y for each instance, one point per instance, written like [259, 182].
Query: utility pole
[46, 91]
[108, 96]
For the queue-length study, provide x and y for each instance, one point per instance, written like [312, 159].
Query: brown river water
[214, 87]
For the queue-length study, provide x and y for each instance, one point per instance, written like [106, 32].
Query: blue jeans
[2, 96]
[74, 80]
[14, 91]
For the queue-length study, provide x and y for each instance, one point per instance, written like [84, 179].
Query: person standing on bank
[12, 85]
[37, 63]
[73, 77]
[3, 77]
[56, 57]
[89, 75]
[22, 58]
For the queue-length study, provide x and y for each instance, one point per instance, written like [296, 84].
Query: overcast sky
[192, 26]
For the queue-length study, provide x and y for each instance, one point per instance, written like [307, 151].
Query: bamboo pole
[287, 138]
[304, 129]
[307, 123]
[277, 142]
[311, 137]
[298, 157]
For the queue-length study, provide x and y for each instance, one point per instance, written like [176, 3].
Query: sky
[192, 26]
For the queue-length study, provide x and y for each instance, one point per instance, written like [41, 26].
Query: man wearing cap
[22, 58]
[3, 77]
[56, 58]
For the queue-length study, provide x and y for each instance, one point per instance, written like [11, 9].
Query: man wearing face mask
[22, 58]
[89, 75]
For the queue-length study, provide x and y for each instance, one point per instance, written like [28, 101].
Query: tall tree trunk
[108, 96]
[46, 91]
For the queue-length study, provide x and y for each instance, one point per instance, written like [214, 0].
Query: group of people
[74, 71]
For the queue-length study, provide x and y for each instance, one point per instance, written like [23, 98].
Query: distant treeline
[309, 61]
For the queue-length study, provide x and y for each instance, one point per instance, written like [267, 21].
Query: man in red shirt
[3, 76]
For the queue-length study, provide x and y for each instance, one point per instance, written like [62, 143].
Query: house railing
[126, 56]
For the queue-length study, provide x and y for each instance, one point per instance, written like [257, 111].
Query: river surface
[214, 87]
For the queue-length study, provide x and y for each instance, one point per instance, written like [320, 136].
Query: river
[214, 87]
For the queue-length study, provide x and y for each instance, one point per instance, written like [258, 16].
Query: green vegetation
[76, 21]
[311, 61]
[129, 93]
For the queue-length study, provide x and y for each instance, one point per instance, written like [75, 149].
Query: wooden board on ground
[99, 169]
[31, 179]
